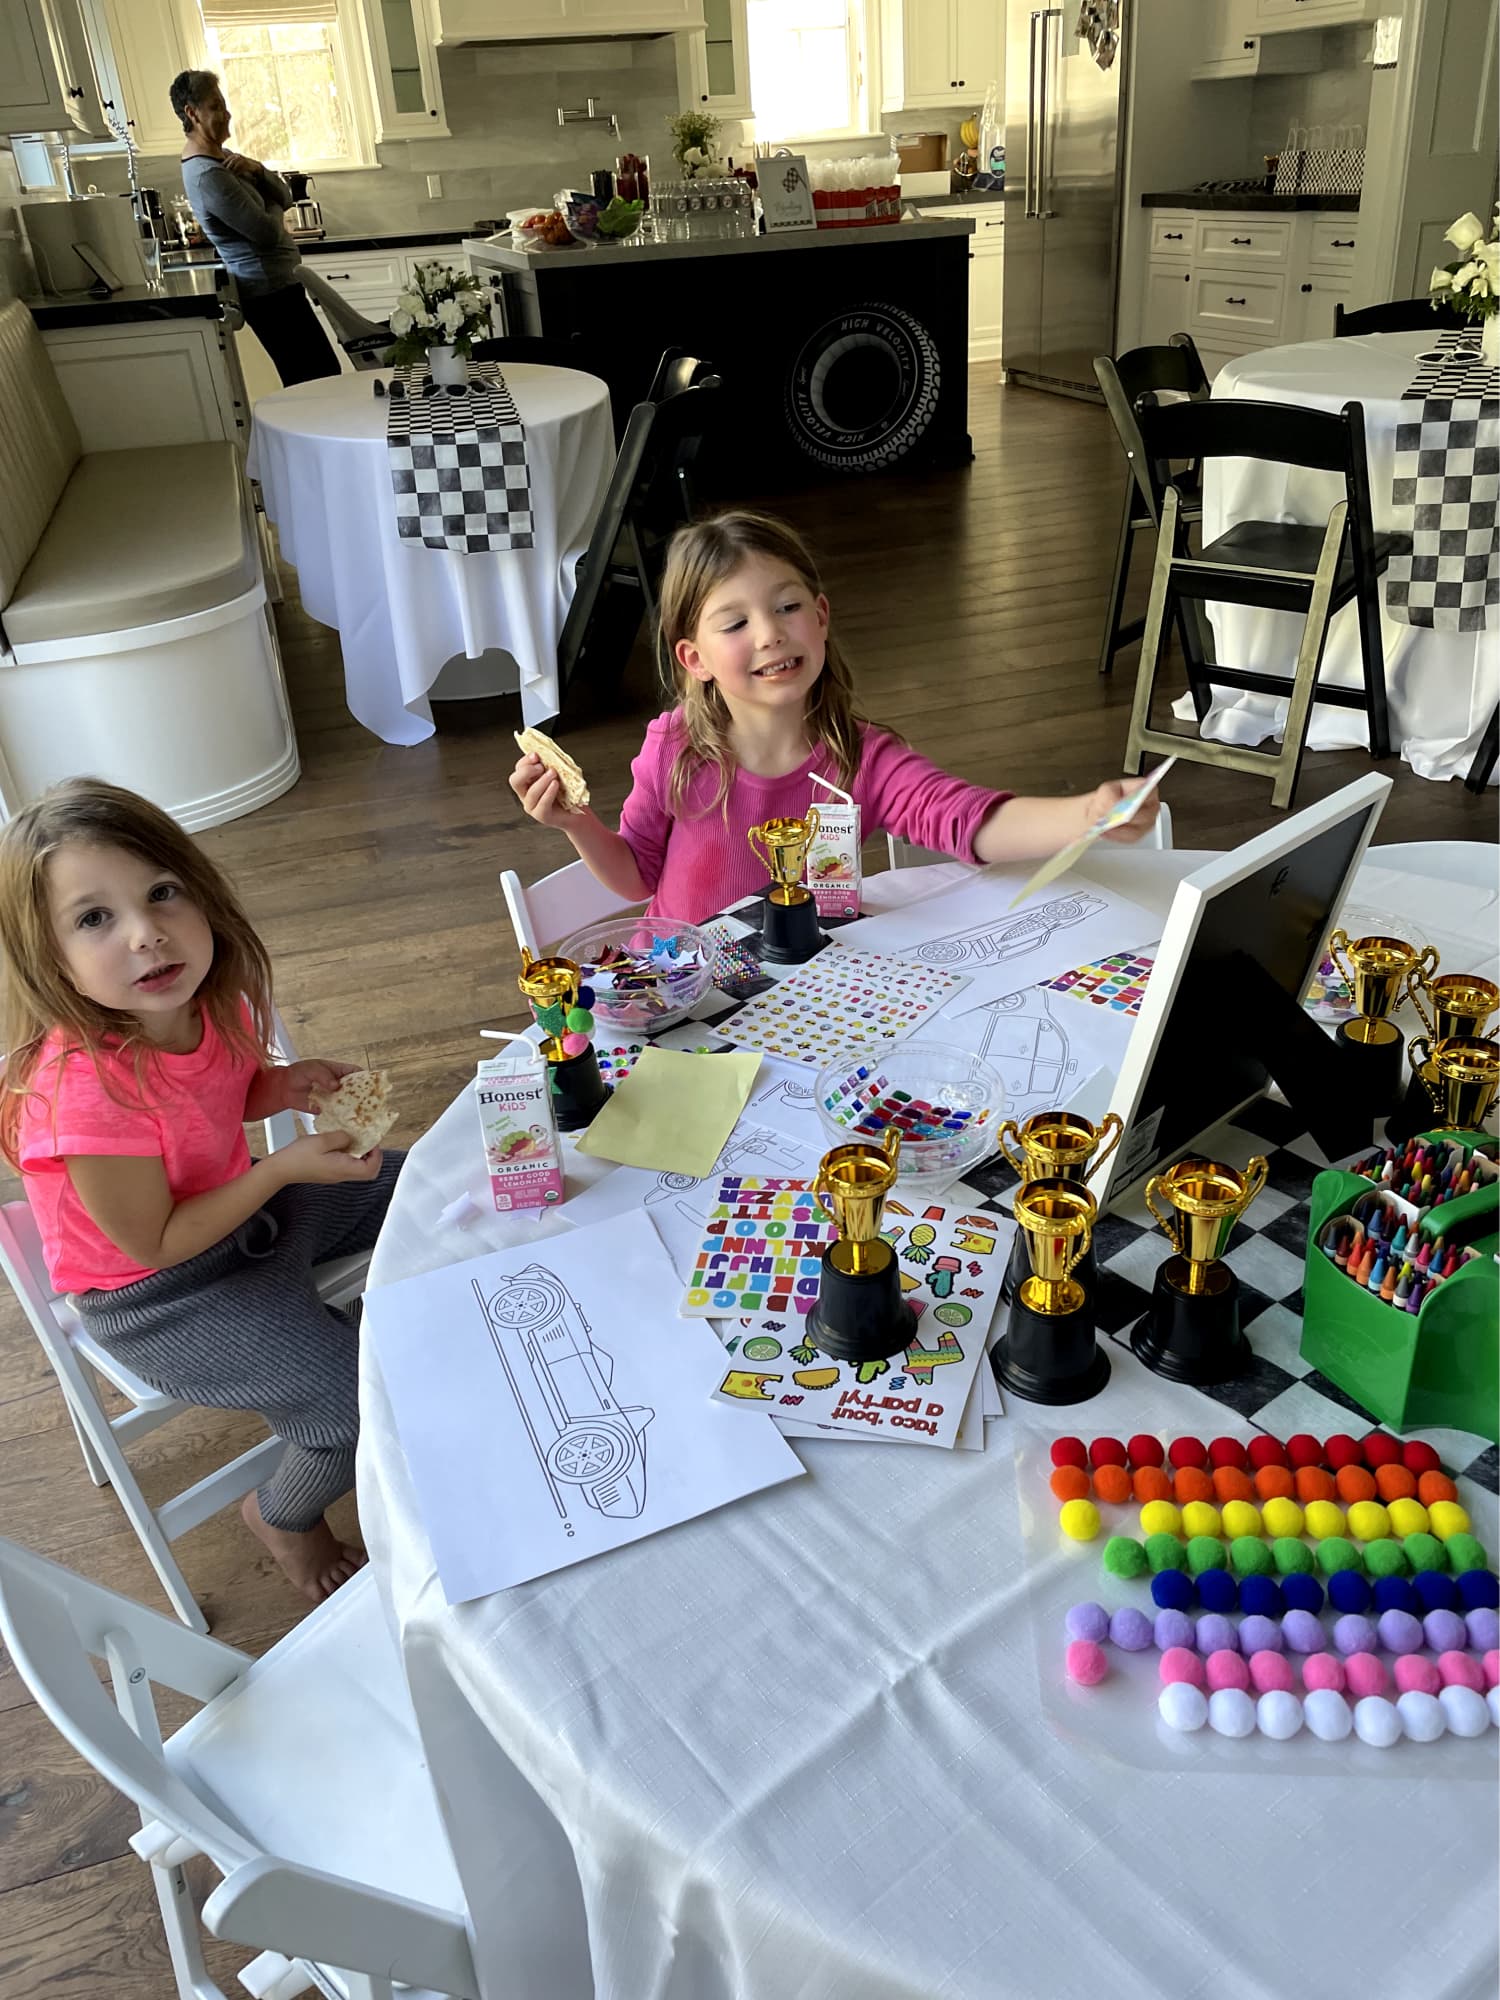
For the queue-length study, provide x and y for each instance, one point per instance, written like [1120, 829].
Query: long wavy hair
[38, 995]
[701, 557]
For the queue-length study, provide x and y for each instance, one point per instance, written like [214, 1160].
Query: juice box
[520, 1132]
[833, 868]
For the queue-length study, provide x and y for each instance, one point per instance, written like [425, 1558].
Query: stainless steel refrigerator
[1064, 144]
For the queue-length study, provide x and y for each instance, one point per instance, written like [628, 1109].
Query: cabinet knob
[1250, 46]
[1307, 288]
[704, 98]
[432, 113]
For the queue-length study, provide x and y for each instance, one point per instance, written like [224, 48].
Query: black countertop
[342, 246]
[196, 294]
[1342, 204]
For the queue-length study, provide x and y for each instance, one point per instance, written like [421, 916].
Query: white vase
[1489, 340]
[447, 366]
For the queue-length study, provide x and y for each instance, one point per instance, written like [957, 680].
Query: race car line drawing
[1028, 1046]
[1012, 937]
[737, 1151]
[583, 1439]
[785, 1091]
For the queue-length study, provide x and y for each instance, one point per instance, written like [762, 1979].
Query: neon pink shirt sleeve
[902, 792]
[645, 821]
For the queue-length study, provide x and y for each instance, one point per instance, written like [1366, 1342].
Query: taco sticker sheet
[842, 1000]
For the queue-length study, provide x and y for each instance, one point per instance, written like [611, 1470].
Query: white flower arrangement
[1471, 286]
[441, 308]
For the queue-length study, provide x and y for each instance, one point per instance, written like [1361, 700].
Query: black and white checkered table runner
[1448, 475]
[458, 464]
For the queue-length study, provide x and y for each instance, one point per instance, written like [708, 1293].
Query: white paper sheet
[552, 1406]
[1041, 1044]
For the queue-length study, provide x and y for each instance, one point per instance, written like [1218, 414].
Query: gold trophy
[561, 1002]
[1459, 1074]
[1055, 1145]
[1378, 970]
[860, 1314]
[789, 927]
[1191, 1331]
[1048, 1353]
[1462, 1003]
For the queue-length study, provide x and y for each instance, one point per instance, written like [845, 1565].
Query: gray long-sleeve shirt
[241, 217]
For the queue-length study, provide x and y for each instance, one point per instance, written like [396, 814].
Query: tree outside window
[284, 87]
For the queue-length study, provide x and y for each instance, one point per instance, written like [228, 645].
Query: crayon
[1388, 1283]
[1377, 1275]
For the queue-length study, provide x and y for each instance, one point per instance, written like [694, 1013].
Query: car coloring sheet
[552, 1406]
[839, 1001]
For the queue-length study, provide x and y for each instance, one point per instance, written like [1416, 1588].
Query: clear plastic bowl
[858, 1094]
[580, 212]
[625, 998]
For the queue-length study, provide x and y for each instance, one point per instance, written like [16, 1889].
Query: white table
[1442, 685]
[795, 1750]
[402, 610]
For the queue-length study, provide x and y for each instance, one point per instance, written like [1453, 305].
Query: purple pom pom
[1445, 1631]
[1354, 1633]
[1484, 1629]
[1259, 1635]
[1302, 1632]
[1173, 1628]
[1217, 1634]
[1131, 1630]
[1088, 1621]
[1399, 1632]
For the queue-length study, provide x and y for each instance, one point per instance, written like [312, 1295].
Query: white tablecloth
[402, 610]
[1442, 685]
[795, 1750]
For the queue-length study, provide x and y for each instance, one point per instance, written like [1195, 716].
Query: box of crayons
[1400, 1293]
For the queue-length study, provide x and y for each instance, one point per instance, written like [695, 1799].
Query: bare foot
[313, 1560]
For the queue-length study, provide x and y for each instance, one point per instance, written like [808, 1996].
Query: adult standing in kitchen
[240, 204]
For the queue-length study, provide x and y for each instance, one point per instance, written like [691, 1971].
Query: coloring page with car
[544, 1421]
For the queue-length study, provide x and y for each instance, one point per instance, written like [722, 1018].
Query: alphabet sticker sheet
[842, 1000]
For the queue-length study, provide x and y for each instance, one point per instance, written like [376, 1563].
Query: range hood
[459, 21]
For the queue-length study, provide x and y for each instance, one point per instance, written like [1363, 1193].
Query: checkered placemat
[458, 463]
[1448, 474]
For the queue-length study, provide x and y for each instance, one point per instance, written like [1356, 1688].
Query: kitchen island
[840, 350]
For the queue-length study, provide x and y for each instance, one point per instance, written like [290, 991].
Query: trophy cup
[790, 924]
[1191, 1331]
[1459, 1075]
[1048, 1353]
[561, 1005]
[1378, 970]
[1456, 1007]
[860, 1314]
[1055, 1145]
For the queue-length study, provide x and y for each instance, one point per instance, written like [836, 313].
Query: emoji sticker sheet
[842, 1000]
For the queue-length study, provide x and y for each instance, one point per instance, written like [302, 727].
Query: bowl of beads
[946, 1104]
[645, 973]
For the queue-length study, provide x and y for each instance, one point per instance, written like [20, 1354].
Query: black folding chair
[677, 370]
[1485, 755]
[1274, 566]
[1400, 316]
[1146, 371]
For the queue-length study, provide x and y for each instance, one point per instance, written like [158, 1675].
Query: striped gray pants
[241, 1327]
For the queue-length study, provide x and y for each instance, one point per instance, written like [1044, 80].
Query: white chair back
[904, 855]
[546, 912]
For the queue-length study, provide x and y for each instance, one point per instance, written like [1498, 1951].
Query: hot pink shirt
[192, 1119]
[700, 861]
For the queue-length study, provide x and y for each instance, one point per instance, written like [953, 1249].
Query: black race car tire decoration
[863, 389]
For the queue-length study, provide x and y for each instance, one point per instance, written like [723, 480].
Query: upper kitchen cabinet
[404, 65]
[1233, 45]
[44, 84]
[139, 46]
[713, 69]
[940, 53]
[551, 20]
[1274, 16]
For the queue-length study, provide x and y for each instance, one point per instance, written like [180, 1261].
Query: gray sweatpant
[241, 1327]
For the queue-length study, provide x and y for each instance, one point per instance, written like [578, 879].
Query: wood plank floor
[971, 604]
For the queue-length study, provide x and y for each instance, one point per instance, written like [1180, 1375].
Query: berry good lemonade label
[520, 1135]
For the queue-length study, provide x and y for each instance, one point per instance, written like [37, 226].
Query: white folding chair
[561, 903]
[904, 855]
[302, 1781]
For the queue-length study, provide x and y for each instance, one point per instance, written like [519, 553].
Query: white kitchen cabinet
[1168, 299]
[43, 84]
[1275, 16]
[149, 42]
[1318, 295]
[713, 69]
[986, 272]
[150, 382]
[940, 54]
[370, 279]
[459, 21]
[1232, 44]
[404, 64]
[1239, 279]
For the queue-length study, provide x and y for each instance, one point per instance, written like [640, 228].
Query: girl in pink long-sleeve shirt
[765, 699]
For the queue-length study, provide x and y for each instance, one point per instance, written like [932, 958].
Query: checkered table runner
[1448, 475]
[458, 463]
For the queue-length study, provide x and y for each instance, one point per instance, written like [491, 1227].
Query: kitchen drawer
[1243, 240]
[1330, 245]
[988, 222]
[1171, 234]
[367, 271]
[1238, 304]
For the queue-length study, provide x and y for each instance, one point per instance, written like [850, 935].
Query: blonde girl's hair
[700, 558]
[38, 995]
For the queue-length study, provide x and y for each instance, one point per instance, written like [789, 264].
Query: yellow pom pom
[1369, 1521]
[1240, 1518]
[1408, 1517]
[1324, 1519]
[1079, 1520]
[1200, 1517]
[1160, 1517]
[1447, 1518]
[1282, 1517]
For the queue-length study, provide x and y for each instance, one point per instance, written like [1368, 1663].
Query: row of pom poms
[1377, 1449]
[1301, 1632]
[1327, 1715]
[1227, 1470]
[1248, 1555]
[1273, 1597]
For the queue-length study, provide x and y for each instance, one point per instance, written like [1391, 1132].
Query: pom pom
[1231, 1712]
[1304, 1450]
[1226, 1670]
[1143, 1449]
[1263, 1451]
[574, 1045]
[1492, 1703]
[585, 996]
[1171, 1628]
[1394, 1482]
[1240, 1518]
[1489, 1666]
[1478, 1590]
[1302, 1593]
[1279, 1715]
[1418, 1457]
[1445, 1631]
[1435, 1486]
[1186, 1451]
[1069, 1482]
[1435, 1592]
[1274, 1482]
[1324, 1518]
[1341, 1450]
[1171, 1590]
[1106, 1451]
[1323, 1670]
[1381, 1449]
[1218, 1591]
[1352, 1483]
[1087, 1621]
[1260, 1635]
[1460, 1670]
[1249, 1556]
[1227, 1451]
[1124, 1557]
[1200, 1518]
[1205, 1552]
[1160, 1517]
[1079, 1520]
[579, 1019]
[1291, 1557]
[1070, 1451]
[1334, 1554]
[1348, 1591]
[1408, 1517]
[1087, 1663]
[1151, 1482]
[1385, 1559]
[1179, 1663]
[1216, 1634]
[1447, 1519]
[1232, 1482]
[1368, 1521]
[1399, 1631]
[1465, 1710]
[1353, 1633]
[1182, 1706]
[1394, 1593]
[1269, 1672]
[1483, 1628]
[1414, 1674]
[1365, 1675]
[1165, 1552]
[1282, 1517]
[1112, 1484]
[1262, 1597]
[1192, 1483]
[1422, 1717]
[1464, 1552]
[1313, 1483]
[1327, 1716]
[1425, 1551]
[1131, 1630]
[1302, 1632]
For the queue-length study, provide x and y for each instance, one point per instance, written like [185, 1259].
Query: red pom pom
[1227, 1451]
[1418, 1457]
[1106, 1451]
[1187, 1451]
[1343, 1450]
[1382, 1449]
[1304, 1450]
[1267, 1451]
[1145, 1450]
[1069, 1451]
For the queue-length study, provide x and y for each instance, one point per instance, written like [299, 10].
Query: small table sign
[785, 193]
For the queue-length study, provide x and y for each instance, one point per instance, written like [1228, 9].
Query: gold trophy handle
[1167, 1222]
[1416, 987]
[1011, 1129]
[1427, 963]
[813, 822]
[890, 1144]
[1256, 1170]
[1079, 1250]
[1419, 1062]
[760, 849]
[1114, 1124]
[820, 1188]
[1338, 948]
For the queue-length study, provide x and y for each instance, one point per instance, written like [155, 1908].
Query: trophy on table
[1191, 1330]
[860, 1313]
[1457, 1007]
[1048, 1353]
[1055, 1145]
[1459, 1074]
[561, 1003]
[1379, 970]
[790, 927]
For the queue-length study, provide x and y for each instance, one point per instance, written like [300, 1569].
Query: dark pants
[284, 324]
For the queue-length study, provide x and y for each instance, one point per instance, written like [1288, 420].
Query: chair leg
[148, 1529]
[1484, 757]
[1288, 766]
[1151, 642]
[93, 1464]
[1372, 656]
[1123, 547]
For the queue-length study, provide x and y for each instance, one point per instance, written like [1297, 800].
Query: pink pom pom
[1491, 1667]
[1271, 1673]
[1323, 1670]
[1416, 1674]
[1088, 1664]
[1181, 1663]
[1459, 1670]
[574, 1045]
[1226, 1670]
[1365, 1675]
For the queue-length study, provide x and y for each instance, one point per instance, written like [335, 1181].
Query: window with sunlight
[806, 67]
[282, 68]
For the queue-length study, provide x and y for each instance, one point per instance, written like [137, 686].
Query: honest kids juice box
[520, 1134]
[833, 869]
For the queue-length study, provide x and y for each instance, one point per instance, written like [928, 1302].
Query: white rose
[450, 315]
[424, 318]
[1440, 281]
[1464, 276]
[409, 301]
[400, 322]
[1465, 233]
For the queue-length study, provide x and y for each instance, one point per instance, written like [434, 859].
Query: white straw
[828, 786]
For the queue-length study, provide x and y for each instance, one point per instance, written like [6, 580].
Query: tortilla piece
[361, 1106]
[574, 791]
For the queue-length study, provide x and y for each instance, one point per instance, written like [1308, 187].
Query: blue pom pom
[1394, 1593]
[1172, 1590]
[1262, 1597]
[1348, 1592]
[1479, 1589]
[1436, 1591]
[1218, 1591]
[585, 996]
[1304, 1593]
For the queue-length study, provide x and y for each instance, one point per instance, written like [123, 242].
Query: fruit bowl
[645, 973]
[580, 212]
[946, 1104]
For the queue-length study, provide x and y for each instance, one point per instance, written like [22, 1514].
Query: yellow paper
[673, 1112]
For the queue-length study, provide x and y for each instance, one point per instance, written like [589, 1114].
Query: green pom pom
[1466, 1552]
[1206, 1552]
[580, 1021]
[1165, 1552]
[1124, 1557]
[1385, 1559]
[1425, 1552]
[1336, 1552]
[1249, 1556]
[1291, 1557]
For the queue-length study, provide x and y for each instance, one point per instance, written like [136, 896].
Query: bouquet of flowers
[1471, 285]
[443, 308]
[695, 142]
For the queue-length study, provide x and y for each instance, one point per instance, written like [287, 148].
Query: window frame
[351, 70]
[862, 32]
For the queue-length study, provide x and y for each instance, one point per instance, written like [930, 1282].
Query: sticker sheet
[1117, 982]
[842, 1001]
[760, 1251]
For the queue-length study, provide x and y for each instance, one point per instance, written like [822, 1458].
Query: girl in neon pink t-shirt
[764, 701]
[138, 1021]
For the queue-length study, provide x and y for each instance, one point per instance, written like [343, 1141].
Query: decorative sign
[785, 193]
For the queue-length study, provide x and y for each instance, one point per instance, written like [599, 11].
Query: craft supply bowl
[860, 1093]
[624, 997]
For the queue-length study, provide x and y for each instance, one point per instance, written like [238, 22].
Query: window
[806, 67]
[286, 72]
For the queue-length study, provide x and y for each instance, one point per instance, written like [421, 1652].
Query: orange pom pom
[1313, 1483]
[1275, 1482]
[1352, 1483]
[1192, 1483]
[1231, 1483]
[1112, 1483]
[1394, 1482]
[1070, 1482]
[1435, 1486]
[1151, 1482]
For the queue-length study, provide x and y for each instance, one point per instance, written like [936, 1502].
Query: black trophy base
[1375, 1057]
[1018, 1270]
[1416, 1111]
[790, 932]
[1050, 1357]
[579, 1092]
[1193, 1336]
[861, 1316]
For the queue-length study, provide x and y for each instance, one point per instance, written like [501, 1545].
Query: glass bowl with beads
[946, 1104]
[645, 973]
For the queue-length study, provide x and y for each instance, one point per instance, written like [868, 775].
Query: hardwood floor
[971, 605]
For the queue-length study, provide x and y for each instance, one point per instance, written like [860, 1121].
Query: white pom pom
[1326, 1714]
[1279, 1715]
[1182, 1706]
[1465, 1710]
[1231, 1712]
[1421, 1716]
[1376, 1721]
